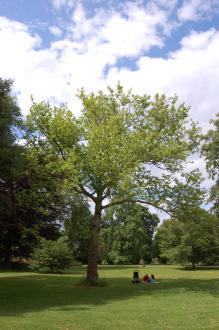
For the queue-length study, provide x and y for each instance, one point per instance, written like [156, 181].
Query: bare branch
[85, 192]
[136, 201]
[106, 194]
[157, 165]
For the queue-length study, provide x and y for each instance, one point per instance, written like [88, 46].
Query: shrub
[116, 259]
[51, 256]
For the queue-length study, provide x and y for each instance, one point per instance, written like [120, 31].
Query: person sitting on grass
[152, 279]
[135, 278]
[146, 279]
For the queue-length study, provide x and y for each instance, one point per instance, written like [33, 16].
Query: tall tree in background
[77, 229]
[10, 166]
[110, 152]
[127, 234]
[210, 151]
[30, 204]
[192, 237]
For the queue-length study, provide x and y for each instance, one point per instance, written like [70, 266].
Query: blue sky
[41, 15]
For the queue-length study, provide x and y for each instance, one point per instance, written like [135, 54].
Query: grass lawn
[184, 299]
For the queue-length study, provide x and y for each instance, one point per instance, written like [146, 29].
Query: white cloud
[63, 3]
[23, 37]
[170, 4]
[191, 72]
[56, 31]
[132, 35]
[131, 31]
[193, 10]
[35, 71]
[80, 59]
[135, 26]
[198, 41]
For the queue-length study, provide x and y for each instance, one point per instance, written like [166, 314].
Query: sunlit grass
[183, 299]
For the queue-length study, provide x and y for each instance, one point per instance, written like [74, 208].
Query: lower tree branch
[83, 191]
[137, 201]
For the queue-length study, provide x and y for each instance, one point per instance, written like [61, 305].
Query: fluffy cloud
[36, 71]
[95, 43]
[131, 31]
[193, 10]
[56, 31]
[60, 3]
[79, 59]
[191, 72]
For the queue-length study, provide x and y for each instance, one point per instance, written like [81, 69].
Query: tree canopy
[127, 234]
[77, 229]
[10, 166]
[29, 203]
[192, 237]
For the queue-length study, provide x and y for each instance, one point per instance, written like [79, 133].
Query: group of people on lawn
[146, 279]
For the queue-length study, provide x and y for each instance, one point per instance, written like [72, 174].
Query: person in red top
[146, 279]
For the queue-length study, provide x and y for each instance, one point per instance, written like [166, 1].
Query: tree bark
[92, 274]
[193, 265]
[7, 251]
[7, 258]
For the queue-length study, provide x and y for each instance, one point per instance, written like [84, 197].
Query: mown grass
[183, 299]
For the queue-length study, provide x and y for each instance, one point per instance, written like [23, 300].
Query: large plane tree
[122, 148]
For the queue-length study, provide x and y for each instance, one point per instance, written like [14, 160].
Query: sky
[52, 48]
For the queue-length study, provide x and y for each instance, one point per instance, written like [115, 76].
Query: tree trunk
[92, 274]
[7, 258]
[7, 251]
[193, 265]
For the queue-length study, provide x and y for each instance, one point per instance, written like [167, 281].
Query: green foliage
[32, 204]
[11, 162]
[77, 229]
[127, 233]
[10, 122]
[112, 148]
[211, 148]
[51, 256]
[193, 237]
[210, 151]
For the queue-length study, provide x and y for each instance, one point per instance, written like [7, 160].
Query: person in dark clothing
[152, 279]
[135, 278]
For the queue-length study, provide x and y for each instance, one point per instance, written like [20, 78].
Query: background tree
[11, 162]
[31, 204]
[127, 234]
[77, 229]
[110, 151]
[193, 237]
[210, 151]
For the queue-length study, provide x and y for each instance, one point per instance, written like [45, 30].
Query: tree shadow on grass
[189, 268]
[119, 267]
[34, 293]
[74, 270]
